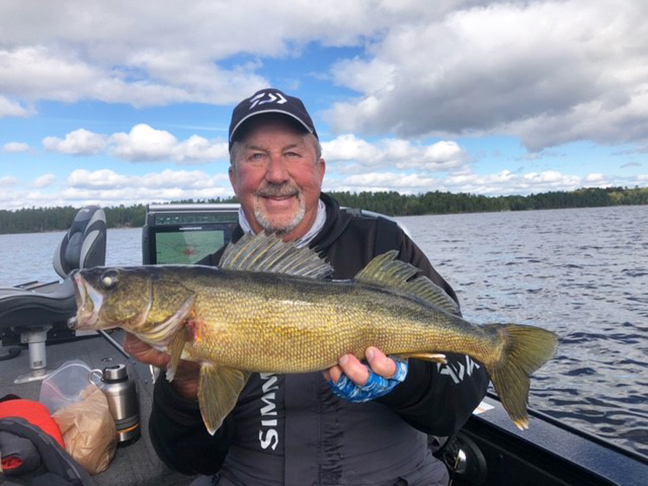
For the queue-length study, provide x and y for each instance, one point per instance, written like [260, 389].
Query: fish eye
[109, 279]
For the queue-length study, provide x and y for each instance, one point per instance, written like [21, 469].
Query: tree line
[392, 203]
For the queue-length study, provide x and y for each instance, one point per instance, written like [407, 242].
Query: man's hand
[186, 377]
[358, 372]
[358, 382]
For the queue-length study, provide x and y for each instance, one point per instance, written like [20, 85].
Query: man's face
[277, 177]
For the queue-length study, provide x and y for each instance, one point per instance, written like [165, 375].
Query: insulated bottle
[121, 393]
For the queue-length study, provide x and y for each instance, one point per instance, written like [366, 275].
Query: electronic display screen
[187, 245]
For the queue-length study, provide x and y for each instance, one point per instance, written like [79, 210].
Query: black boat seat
[84, 245]
[31, 310]
[40, 303]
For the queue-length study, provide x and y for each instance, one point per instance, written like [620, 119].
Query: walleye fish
[269, 308]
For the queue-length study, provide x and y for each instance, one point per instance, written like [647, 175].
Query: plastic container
[64, 385]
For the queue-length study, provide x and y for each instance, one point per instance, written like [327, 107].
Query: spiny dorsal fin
[386, 271]
[267, 253]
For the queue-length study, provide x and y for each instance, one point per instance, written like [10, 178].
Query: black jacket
[290, 429]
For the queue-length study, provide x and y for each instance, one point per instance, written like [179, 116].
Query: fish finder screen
[188, 245]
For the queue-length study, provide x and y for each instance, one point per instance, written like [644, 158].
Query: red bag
[16, 454]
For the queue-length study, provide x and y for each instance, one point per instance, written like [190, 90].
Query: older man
[309, 429]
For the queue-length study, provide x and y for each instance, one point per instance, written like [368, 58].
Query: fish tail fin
[523, 349]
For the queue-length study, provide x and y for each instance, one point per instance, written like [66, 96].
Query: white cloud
[8, 181]
[99, 179]
[109, 188]
[384, 181]
[502, 183]
[45, 180]
[349, 148]
[143, 143]
[46, 73]
[78, 142]
[594, 179]
[15, 147]
[392, 153]
[199, 150]
[13, 108]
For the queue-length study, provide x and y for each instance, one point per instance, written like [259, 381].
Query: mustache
[278, 190]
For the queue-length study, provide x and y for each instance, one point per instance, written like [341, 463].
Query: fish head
[136, 299]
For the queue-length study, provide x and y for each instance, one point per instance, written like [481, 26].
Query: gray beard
[280, 231]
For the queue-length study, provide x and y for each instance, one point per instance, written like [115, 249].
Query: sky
[128, 102]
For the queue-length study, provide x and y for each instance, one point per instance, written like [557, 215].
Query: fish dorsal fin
[386, 271]
[268, 253]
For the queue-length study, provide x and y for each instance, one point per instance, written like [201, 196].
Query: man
[306, 429]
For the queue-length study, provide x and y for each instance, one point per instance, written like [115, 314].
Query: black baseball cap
[269, 100]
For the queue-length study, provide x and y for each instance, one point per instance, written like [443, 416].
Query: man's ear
[232, 175]
[322, 168]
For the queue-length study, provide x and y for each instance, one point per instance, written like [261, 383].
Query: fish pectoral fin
[175, 350]
[218, 391]
[433, 357]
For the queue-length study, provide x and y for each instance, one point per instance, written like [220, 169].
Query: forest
[33, 220]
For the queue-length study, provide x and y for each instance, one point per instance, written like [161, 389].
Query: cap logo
[263, 98]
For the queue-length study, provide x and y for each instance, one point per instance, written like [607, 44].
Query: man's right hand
[186, 377]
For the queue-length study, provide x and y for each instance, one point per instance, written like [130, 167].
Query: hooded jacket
[292, 430]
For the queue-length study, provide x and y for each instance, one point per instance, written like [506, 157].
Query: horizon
[334, 193]
[130, 105]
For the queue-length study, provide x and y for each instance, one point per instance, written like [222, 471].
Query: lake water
[580, 272]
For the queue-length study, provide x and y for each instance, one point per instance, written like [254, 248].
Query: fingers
[186, 379]
[332, 374]
[187, 374]
[143, 352]
[358, 372]
[380, 363]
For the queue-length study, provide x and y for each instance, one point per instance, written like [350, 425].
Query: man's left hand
[357, 382]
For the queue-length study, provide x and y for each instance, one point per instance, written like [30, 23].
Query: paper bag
[89, 430]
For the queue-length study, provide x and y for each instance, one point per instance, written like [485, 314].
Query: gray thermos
[121, 393]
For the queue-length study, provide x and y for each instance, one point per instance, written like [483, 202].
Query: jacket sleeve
[179, 436]
[437, 399]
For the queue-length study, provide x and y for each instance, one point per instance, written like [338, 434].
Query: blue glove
[376, 385]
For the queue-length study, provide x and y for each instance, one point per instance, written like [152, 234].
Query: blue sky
[128, 102]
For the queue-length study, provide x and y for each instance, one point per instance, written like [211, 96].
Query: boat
[489, 450]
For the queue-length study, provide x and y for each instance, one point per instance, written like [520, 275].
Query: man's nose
[276, 170]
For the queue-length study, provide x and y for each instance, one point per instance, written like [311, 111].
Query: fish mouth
[88, 302]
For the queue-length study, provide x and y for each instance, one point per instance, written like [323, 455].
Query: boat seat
[32, 310]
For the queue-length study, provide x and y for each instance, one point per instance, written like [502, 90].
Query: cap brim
[261, 112]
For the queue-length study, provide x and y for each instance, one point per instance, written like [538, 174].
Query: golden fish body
[269, 308]
[273, 323]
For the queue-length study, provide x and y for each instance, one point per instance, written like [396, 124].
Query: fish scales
[301, 325]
